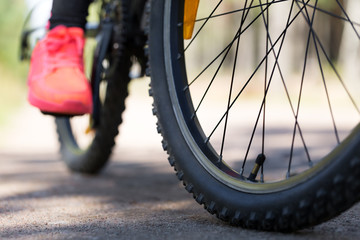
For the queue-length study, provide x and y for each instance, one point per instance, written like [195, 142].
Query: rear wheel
[87, 141]
[88, 152]
[259, 110]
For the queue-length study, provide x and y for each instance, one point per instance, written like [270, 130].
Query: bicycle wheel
[259, 109]
[87, 150]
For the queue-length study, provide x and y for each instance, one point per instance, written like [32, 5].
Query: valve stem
[258, 163]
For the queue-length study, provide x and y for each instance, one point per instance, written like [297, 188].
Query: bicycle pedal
[60, 114]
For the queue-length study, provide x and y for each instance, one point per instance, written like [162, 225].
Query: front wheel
[259, 109]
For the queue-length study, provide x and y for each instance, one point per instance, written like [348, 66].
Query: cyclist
[56, 81]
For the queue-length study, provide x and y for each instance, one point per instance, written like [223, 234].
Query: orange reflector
[89, 130]
[90, 127]
[190, 11]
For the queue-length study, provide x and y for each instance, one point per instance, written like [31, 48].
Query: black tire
[318, 193]
[91, 157]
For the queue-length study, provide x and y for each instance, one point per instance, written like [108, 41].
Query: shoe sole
[73, 108]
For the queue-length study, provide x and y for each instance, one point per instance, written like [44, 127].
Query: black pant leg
[71, 13]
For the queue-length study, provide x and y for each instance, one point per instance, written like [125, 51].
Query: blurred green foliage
[12, 71]
[12, 14]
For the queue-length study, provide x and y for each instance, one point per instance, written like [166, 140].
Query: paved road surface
[136, 197]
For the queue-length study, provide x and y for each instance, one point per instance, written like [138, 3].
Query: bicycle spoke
[243, 18]
[301, 89]
[254, 72]
[269, 63]
[316, 42]
[347, 17]
[267, 37]
[263, 106]
[264, 99]
[346, 89]
[239, 10]
[266, 23]
[285, 87]
[324, 82]
[226, 49]
[203, 25]
[212, 79]
[333, 15]
[338, 75]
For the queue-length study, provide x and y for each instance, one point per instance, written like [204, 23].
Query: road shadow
[130, 199]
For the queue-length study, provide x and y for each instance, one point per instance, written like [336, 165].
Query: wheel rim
[218, 145]
[80, 128]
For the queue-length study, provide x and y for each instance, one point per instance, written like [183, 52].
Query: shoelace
[64, 58]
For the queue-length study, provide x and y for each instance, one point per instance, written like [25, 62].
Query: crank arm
[104, 39]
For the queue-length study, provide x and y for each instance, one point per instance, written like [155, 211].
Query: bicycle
[249, 146]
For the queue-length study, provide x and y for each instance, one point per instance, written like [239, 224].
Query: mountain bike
[257, 102]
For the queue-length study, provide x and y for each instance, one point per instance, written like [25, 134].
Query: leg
[69, 13]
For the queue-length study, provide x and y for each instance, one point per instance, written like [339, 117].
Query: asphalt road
[137, 196]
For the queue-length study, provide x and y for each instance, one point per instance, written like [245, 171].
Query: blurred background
[16, 116]
[14, 18]
[12, 71]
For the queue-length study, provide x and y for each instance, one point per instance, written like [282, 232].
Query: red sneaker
[57, 83]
